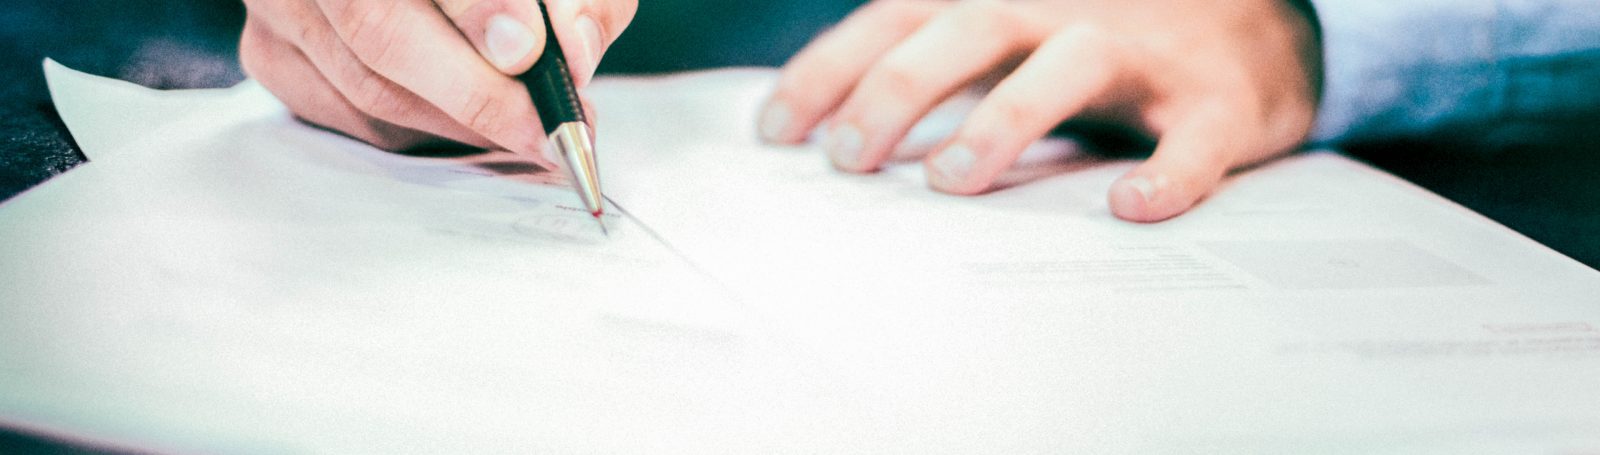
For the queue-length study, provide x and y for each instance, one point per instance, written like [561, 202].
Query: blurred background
[1548, 191]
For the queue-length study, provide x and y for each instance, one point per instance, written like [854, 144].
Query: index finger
[1056, 83]
[586, 28]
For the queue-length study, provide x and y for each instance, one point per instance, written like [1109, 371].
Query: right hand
[402, 74]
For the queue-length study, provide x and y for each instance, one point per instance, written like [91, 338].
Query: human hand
[401, 74]
[1221, 85]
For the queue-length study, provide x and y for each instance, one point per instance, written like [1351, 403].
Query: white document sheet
[236, 281]
[1313, 303]
[120, 110]
[223, 278]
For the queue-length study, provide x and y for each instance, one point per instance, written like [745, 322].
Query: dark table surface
[1547, 192]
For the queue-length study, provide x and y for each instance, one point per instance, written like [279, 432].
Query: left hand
[1221, 85]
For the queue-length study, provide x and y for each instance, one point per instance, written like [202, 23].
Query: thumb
[1188, 164]
[509, 34]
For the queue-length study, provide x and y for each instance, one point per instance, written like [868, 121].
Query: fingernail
[775, 121]
[589, 39]
[844, 146]
[508, 41]
[953, 165]
[1147, 188]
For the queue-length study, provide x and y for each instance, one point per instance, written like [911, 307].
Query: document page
[237, 281]
[240, 282]
[103, 113]
[1314, 302]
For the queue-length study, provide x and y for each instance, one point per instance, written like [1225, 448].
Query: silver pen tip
[573, 141]
[600, 220]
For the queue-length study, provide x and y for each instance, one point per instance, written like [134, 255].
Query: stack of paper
[224, 278]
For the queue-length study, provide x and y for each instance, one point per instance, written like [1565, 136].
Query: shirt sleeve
[1473, 70]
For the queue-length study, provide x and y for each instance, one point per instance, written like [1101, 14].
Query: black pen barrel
[549, 82]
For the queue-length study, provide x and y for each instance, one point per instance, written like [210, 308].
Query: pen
[556, 99]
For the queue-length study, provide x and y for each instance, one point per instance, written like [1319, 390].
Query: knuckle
[896, 14]
[370, 32]
[376, 97]
[791, 84]
[985, 16]
[992, 128]
[250, 48]
[309, 38]
[260, 51]
[480, 112]
[1015, 112]
[896, 81]
[895, 8]
[1091, 38]
[802, 79]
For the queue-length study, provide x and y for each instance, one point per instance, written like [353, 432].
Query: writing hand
[401, 74]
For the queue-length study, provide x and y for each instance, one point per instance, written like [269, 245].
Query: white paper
[1315, 302]
[120, 110]
[239, 282]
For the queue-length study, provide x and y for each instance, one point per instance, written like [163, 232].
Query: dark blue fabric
[1493, 72]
